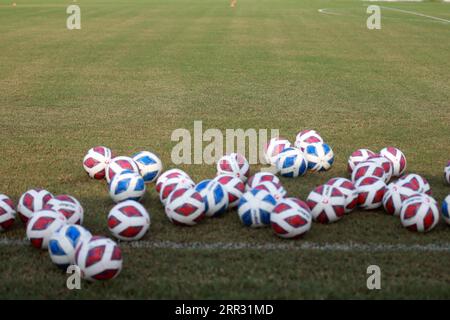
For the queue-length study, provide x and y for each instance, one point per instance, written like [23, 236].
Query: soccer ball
[260, 177]
[415, 182]
[64, 242]
[288, 220]
[234, 164]
[255, 208]
[127, 185]
[42, 225]
[394, 197]
[397, 158]
[307, 137]
[358, 156]
[32, 201]
[128, 221]
[299, 203]
[149, 165]
[68, 206]
[276, 190]
[419, 213]
[327, 204]
[385, 163]
[214, 196]
[291, 163]
[348, 190]
[169, 174]
[7, 212]
[447, 173]
[368, 169]
[446, 209]
[185, 207]
[233, 186]
[273, 148]
[96, 160]
[118, 165]
[174, 183]
[99, 258]
[320, 157]
[370, 192]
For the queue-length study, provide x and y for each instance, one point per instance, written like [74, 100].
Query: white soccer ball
[289, 220]
[185, 206]
[273, 148]
[96, 160]
[128, 221]
[415, 182]
[291, 163]
[306, 137]
[118, 165]
[99, 259]
[394, 197]
[319, 156]
[234, 187]
[234, 164]
[419, 213]
[327, 204]
[127, 185]
[64, 242]
[32, 201]
[214, 196]
[169, 185]
[169, 174]
[370, 192]
[368, 169]
[7, 213]
[42, 225]
[348, 189]
[255, 208]
[447, 173]
[397, 158]
[150, 166]
[358, 156]
[67, 206]
[446, 209]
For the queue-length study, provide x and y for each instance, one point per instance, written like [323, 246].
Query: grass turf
[140, 69]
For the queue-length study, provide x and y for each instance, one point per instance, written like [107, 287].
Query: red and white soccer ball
[120, 164]
[307, 137]
[32, 201]
[370, 192]
[368, 169]
[415, 182]
[348, 189]
[289, 220]
[171, 184]
[7, 213]
[260, 177]
[128, 221]
[394, 197]
[276, 190]
[234, 164]
[96, 161]
[385, 163]
[42, 225]
[233, 186]
[447, 173]
[419, 213]
[327, 204]
[273, 148]
[300, 203]
[358, 156]
[67, 206]
[169, 174]
[185, 207]
[397, 158]
[99, 259]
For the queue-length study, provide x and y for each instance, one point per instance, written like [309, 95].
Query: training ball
[64, 242]
[150, 166]
[67, 206]
[185, 207]
[447, 173]
[42, 225]
[128, 221]
[169, 174]
[348, 190]
[299, 203]
[397, 158]
[260, 177]
[172, 184]
[358, 156]
[291, 163]
[127, 185]
[446, 209]
[415, 182]
[370, 192]
[273, 148]
[327, 204]
[99, 259]
[394, 197]
[419, 213]
[32, 201]
[289, 220]
[319, 156]
[96, 161]
[7, 213]
[255, 208]
[385, 163]
[306, 137]
[368, 169]
[275, 189]
[118, 165]
[234, 187]
[234, 164]
[214, 196]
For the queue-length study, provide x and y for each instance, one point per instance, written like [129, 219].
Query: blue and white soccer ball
[215, 197]
[320, 156]
[255, 208]
[291, 163]
[127, 185]
[150, 166]
[446, 209]
[64, 242]
[447, 173]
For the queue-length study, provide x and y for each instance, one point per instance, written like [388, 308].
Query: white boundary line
[417, 14]
[326, 11]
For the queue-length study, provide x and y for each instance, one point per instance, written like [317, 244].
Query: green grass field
[139, 69]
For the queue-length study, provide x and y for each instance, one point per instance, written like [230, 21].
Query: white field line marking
[417, 14]
[327, 11]
[297, 246]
